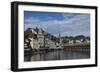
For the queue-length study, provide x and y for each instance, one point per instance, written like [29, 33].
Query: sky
[67, 24]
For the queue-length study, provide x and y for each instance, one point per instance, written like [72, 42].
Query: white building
[78, 41]
[71, 41]
[40, 37]
[34, 43]
[51, 44]
[87, 41]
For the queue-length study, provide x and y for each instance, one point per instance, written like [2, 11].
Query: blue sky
[67, 24]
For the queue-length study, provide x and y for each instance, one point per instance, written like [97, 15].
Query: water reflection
[58, 54]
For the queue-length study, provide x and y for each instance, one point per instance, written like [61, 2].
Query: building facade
[40, 39]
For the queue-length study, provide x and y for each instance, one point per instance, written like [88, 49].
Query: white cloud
[76, 23]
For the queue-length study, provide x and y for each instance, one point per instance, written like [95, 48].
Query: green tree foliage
[65, 41]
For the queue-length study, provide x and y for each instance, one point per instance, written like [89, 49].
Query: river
[63, 54]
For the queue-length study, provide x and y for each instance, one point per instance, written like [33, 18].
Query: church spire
[59, 38]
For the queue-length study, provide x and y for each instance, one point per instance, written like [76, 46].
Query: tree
[65, 41]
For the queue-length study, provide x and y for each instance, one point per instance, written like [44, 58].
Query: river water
[57, 55]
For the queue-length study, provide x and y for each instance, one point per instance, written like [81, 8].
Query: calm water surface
[57, 55]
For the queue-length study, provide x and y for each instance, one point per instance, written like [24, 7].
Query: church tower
[60, 40]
